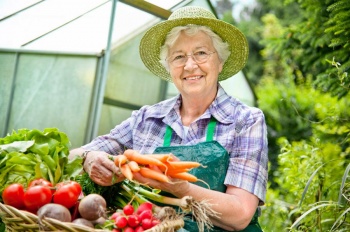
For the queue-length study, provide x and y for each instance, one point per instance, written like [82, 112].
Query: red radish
[116, 230]
[144, 206]
[155, 222]
[121, 222]
[133, 220]
[146, 214]
[128, 229]
[147, 223]
[128, 209]
[139, 229]
[115, 215]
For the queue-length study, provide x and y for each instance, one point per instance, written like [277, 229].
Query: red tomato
[67, 193]
[36, 196]
[13, 195]
[42, 182]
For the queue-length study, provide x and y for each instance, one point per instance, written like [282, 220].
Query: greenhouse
[75, 65]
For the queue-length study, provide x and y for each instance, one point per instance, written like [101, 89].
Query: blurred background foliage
[298, 65]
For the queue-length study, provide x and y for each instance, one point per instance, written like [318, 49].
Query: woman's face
[192, 79]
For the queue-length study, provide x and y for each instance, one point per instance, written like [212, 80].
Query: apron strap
[210, 132]
[167, 136]
[211, 129]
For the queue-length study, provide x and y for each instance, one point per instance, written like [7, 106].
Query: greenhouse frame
[75, 64]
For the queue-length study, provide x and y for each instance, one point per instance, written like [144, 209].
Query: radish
[147, 223]
[146, 214]
[133, 220]
[121, 222]
[144, 206]
[128, 209]
[115, 215]
[128, 229]
[139, 229]
[92, 207]
[155, 222]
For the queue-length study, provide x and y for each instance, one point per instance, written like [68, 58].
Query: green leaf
[340, 218]
[71, 169]
[296, 223]
[19, 146]
[308, 184]
[345, 176]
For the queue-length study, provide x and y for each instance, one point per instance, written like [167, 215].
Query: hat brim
[154, 39]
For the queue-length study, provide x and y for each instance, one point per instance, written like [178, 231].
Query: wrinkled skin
[100, 167]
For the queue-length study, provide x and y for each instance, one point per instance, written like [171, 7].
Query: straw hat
[154, 38]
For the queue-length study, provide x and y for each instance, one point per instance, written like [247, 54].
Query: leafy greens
[29, 154]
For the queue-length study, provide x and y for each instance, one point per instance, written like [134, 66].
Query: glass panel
[54, 91]
[128, 79]
[90, 32]
[8, 7]
[41, 19]
[73, 25]
[110, 117]
[7, 67]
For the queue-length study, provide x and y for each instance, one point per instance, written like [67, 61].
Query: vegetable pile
[26, 155]
[155, 166]
[41, 192]
[37, 176]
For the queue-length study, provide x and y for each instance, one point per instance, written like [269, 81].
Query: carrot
[155, 168]
[184, 176]
[120, 160]
[183, 164]
[174, 171]
[162, 157]
[132, 155]
[152, 174]
[134, 167]
[126, 171]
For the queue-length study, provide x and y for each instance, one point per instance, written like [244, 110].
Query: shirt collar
[221, 108]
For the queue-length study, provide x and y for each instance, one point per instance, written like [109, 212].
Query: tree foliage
[301, 66]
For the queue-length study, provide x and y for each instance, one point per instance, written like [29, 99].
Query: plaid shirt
[240, 129]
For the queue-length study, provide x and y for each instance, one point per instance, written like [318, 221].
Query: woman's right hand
[101, 168]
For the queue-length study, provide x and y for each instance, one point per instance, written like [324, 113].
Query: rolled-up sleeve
[248, 165]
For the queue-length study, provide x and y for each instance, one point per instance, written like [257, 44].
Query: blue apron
[215, 159]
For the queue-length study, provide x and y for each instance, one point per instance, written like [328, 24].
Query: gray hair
[221, 47]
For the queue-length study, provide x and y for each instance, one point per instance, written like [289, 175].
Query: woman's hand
[101, 168]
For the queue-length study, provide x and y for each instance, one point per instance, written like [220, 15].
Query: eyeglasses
[199, 57]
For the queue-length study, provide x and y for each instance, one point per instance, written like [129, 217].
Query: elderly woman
[195, 51]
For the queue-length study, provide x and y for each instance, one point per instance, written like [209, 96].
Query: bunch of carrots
[155, 166]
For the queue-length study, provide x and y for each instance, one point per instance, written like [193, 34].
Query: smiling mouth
[193, 78]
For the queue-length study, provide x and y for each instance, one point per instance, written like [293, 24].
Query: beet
[92, 207]
[84, 222]
[55, 211]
